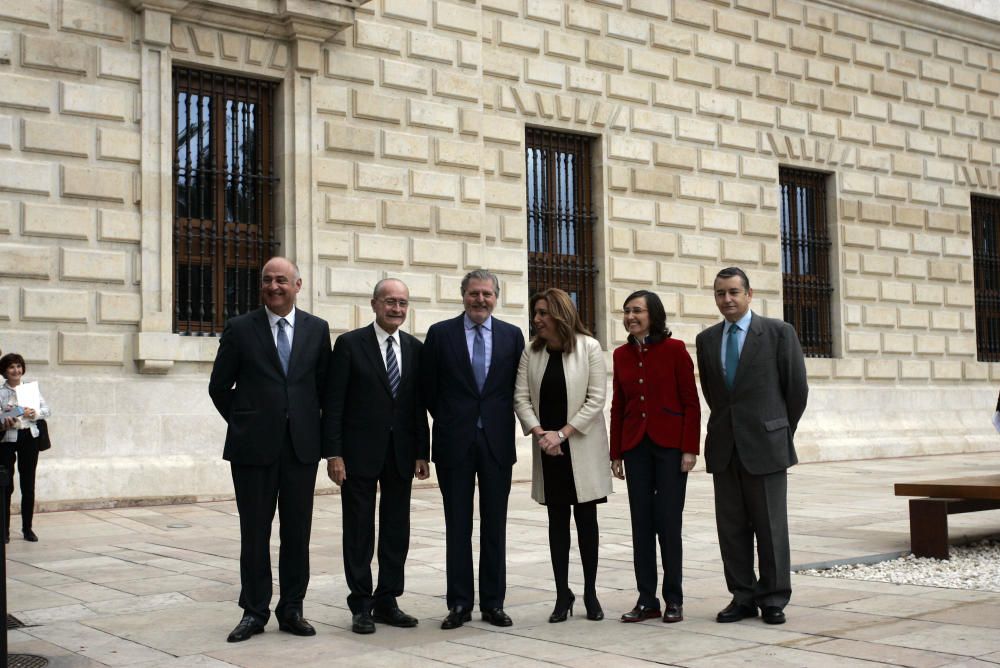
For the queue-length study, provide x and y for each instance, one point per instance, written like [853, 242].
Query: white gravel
[973, 566]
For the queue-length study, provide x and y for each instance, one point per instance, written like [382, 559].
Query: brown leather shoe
[640, 613]
[673, 612]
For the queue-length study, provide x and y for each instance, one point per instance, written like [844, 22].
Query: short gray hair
[481, 275]
[378, 286]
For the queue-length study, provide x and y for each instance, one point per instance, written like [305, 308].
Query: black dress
[557, 472]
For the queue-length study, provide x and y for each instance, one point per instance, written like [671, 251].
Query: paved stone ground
[156, 587]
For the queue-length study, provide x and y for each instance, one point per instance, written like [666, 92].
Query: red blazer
[654, 394]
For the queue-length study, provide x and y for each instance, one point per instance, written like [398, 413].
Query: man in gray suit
[753, 376]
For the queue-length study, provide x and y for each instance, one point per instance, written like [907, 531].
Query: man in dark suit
[468, 366]
[375, 427]
[267, 383]
[753, 376]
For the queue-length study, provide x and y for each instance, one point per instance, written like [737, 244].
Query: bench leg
[929, 528]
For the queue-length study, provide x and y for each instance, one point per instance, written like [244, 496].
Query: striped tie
[391, 367]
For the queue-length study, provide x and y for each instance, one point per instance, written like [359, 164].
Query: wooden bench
[929, 516]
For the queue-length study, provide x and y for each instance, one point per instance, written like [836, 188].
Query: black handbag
[43, 441]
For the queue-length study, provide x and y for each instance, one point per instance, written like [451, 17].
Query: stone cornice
[317, 20]
[927, 16]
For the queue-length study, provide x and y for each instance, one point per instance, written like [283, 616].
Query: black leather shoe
[734, 612]
[595, 612]
[394, 617]
[772, 614]
[639, 613]
[294, 624]
[248, 626]
[30, 536]
[363, 623]
[673, 612]
[496, 617]
[456, 617]
[563, 608]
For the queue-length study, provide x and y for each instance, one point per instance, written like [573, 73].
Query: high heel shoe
[594, 611]
[564, 608]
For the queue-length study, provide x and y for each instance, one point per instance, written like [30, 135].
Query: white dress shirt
[382, 337]
[289, 328]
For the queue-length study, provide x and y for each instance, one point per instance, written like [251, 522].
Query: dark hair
[658, 329]
[729, 272]
[11, 358]
[563, 312]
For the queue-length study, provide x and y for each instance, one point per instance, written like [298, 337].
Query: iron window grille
[986, 272]
[805, 259]
[223, 192]
[561, 217]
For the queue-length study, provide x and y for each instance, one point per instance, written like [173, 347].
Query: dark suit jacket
[455, 402]
[758, 417]
[254, 396]
[361, 418]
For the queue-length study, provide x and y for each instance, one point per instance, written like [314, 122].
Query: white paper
[996, 421]
[28, 396]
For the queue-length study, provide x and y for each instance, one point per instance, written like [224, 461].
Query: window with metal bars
[223, 191]
[561, 217]
[805, 259]
[986, 273]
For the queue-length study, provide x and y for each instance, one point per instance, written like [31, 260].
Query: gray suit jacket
[758, 417]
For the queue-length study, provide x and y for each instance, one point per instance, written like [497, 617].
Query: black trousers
[358, 499]
[287, 484]
[656, 492]
[25, 453]
[751, 506]
[458, 489]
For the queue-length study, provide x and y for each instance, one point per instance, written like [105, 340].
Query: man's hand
[335, 469]
[9, 422]
[422, 471]
[688, 461]
[617, 470]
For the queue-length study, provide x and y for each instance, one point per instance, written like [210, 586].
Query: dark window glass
[805, 259]
[223, 189]
[561, 217]
[986, 272]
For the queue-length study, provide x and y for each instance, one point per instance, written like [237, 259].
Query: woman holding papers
[20, 442]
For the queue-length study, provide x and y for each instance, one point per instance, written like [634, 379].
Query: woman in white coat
[559, 400]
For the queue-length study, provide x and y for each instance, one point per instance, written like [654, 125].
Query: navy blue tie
[284, 347]
[732, 354]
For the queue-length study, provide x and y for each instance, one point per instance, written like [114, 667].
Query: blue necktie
[732, 355]
[391, 366]
[479, 358]
[284, 348]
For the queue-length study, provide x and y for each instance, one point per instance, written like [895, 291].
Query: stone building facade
[399, 150]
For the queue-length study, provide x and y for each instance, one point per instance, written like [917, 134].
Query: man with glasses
[267, 383]
[375, 428]
[469, 367]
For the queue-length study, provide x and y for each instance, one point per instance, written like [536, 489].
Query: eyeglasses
[393, 303]
[634, 310]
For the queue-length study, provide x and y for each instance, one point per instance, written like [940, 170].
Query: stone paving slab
[156, 587]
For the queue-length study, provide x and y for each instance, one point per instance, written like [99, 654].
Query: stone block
[706, 248]
[457, 86]
[895, 291]
[630, 149]
[631, 209]
[759, 224]
[740, 194]
[351, 282]
[413, 11]
[499, 260]
[913, 318]
[455, 18]
[351, 211]
[331, 172]
[347, 66]
[350, 139]
[378, 36]
[434, 185]
[673, 96]
[544, 73]
[698, 306]
[95, 101]
[80, 264]
[118, 145]
[928, 294]
[653, 242]
[124, 226]
[26, 177]
[462, 222]
[879, 316]
[899, 344]
[432, 47]
[458, 154]
[378, 178]
[930, 345]
[720, 220]
[861, 288]
[677, 215]
[949, 320]
[877, 264]
[745, 252]
[66, 56]
[330, 99]
[694, 72]
[697, 188]
[946, 370]
[504, 194]
[630, 270]
[605, 53]
[55, 305]
[387, 109]
[118, 308]
[680, 275]
[94, 183]
[90, 348]
[518, 35]
[335, 245]
[652, 181]
[382, 249]
[650, 63]
[503, 130]
[67, 222]
[675, 157]
[863, 342]
[406, 216]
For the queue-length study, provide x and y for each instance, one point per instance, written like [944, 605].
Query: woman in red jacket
[655, 431]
